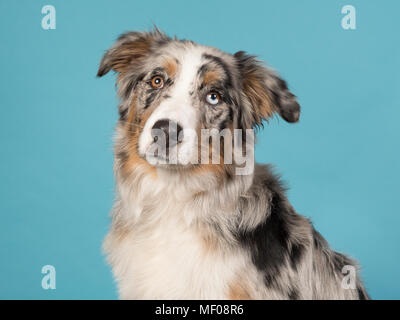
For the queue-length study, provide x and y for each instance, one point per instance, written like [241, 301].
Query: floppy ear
[131, 47]
[264, 93]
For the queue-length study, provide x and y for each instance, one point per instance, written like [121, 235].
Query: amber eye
[213, 98]
[157, 82]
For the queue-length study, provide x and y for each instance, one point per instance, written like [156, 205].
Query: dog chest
[167, 259]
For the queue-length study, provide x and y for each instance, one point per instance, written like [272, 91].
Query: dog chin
[165, 162]
[171, 159]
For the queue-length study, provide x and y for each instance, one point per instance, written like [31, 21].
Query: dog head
[173, 90]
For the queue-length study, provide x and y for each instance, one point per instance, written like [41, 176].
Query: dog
[193, 229]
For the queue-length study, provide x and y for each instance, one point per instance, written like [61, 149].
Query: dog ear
[131, 47]
[264, 93]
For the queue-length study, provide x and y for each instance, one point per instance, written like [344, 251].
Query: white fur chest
[163, 257]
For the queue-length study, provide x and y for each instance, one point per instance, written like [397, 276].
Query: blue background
[57, 119]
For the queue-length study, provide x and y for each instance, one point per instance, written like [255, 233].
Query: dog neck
[191, 194]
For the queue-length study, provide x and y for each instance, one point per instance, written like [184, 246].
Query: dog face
[173, 90]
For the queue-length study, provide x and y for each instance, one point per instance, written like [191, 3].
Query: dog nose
[172, 131]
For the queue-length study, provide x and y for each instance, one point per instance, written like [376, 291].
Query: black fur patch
[273, 244]
[362, 295]
[268, 243]
[296, 255]
[225, 123]
[122, 113]
[293, 294]
[218, 61]
[150, 99]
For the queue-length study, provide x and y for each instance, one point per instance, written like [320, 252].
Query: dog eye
[157, 82]
[213, 98]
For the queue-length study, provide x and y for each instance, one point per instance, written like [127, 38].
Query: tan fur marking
[170, 67]
[129, 52]
[133, 129]
[207, 237]
[238, 291]
[211, 76]
[258, 96]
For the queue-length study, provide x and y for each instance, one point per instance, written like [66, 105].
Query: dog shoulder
[280, 242]
[339, 273]
[287, 250]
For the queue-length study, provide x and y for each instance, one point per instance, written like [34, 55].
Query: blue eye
[213, 98]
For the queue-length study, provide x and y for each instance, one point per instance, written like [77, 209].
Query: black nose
[167, 133]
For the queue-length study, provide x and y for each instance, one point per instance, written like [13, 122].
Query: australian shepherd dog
[194, 217]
